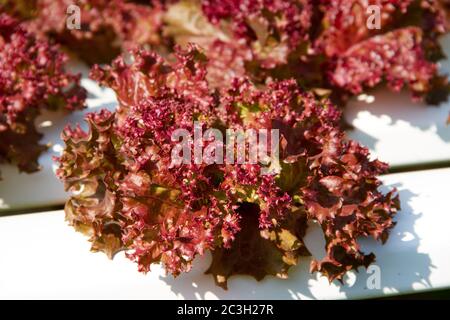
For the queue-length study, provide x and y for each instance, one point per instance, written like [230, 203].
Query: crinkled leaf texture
[106, 26]
[32, 78]
[322, 44]
[128, 194]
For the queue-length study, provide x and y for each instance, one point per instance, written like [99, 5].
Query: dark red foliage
[32, 78]
[289, 21]
[396, 57]
[321, 44]
[129, 195]
[402, 52]
[107, 26]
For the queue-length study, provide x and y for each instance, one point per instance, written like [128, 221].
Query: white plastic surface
[399, 131]
[41, 257]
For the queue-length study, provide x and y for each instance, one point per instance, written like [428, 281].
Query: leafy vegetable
[32, 78]
[106, 26]
[129, 195]
[322, 44]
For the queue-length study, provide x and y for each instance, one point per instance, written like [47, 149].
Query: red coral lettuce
[107, 26]
[322, 44]
[129, 194]
[32, 78]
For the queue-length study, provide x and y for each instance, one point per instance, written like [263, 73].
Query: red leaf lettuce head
[129, 195]
[322, 44]
[107, 26]
[32, 78]
[403, 52]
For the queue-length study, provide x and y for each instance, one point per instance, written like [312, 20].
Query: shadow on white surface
[390, 109]
[399, 131]
[403, 268]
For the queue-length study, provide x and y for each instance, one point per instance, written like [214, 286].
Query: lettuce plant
[128, 194]
[323, 44]
[32, 78]
[341, 46]
[106, 26]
